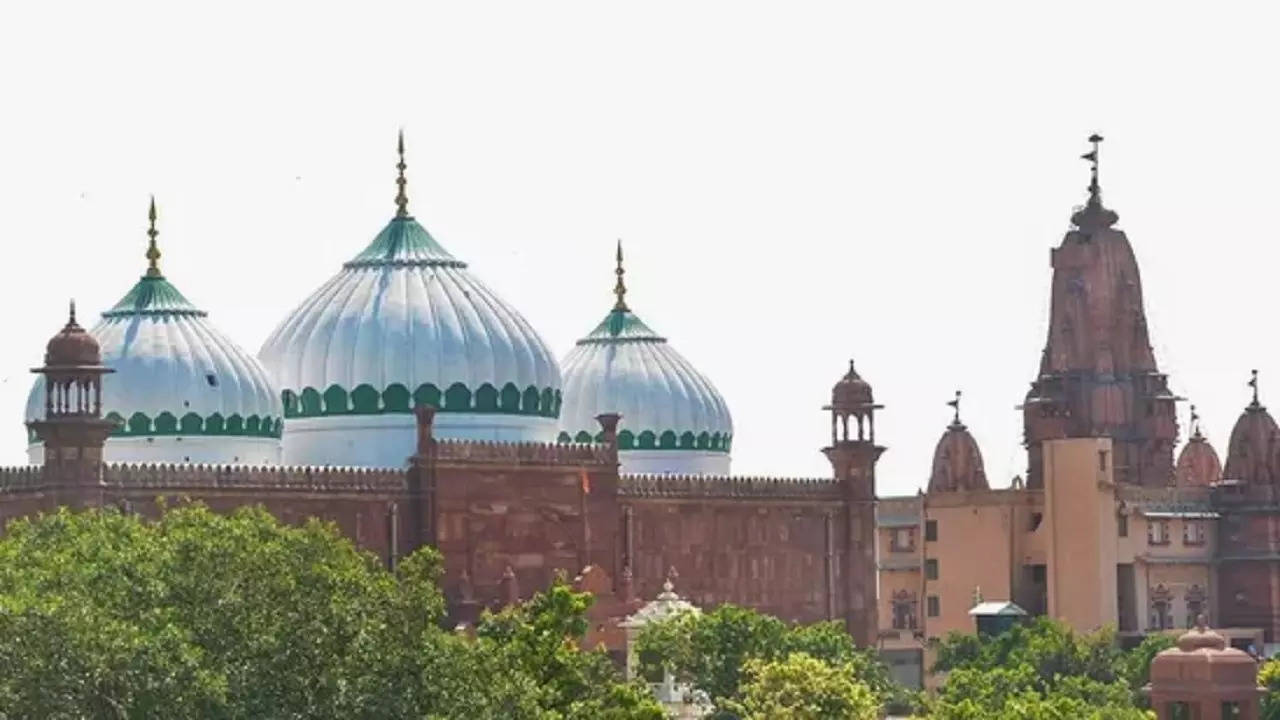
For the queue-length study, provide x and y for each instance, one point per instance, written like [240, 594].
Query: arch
[289, 399]
[235, 424]
[364, 399]
[728, 442]
[311, 405]
[647, 440]
[427, 394]
[457, 398]
[626, 440]
[214, 424]
[687, 440]
[510, 402]
[121, 427]
[191, 424]
[396, 399]
[252, 425]
[667, 441]
[555, 410]
[704, 440]
[546, 406]
[715, 440]
[583, 437]
[564, 437]
[139, 424]
[487, 398]
[166, 423]
[529, 401]
[335, 400]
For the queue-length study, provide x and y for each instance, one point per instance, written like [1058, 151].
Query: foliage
[201, 615]
[1269, 678]
[712, 650]
[801, 687]
[1043, 669]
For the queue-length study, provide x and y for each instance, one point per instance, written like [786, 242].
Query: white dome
[673, 419]
[405, 323]
[182, 391]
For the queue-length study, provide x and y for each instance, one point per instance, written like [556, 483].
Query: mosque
[406, 402]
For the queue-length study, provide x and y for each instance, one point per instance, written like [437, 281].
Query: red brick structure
[1202, 678]
[509, 517]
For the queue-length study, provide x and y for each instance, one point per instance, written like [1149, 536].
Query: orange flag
[586, 482]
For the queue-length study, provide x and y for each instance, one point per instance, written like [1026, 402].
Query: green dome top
[153, 295]
[404, 243]
[621, 326]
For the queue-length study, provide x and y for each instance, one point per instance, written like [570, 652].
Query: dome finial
[1095, 191]
[1195, 424]
[402, 200]
[620, 288]
[153, 252]
[1253, 383]
[955, 405]
[71, 318]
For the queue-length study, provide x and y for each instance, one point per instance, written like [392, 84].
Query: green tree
[1269, 678]
[801, 687]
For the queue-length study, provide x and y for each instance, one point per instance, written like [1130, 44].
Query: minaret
[72, 429]
[1098, 374]
[853, 454]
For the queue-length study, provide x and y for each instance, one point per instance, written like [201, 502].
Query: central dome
[406, 323]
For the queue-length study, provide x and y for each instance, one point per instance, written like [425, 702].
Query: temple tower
[853, 454]
[72, 428]
[1098, 374]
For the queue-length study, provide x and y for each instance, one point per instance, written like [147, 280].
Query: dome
[1255, 440]
[181, 391]
[673, 419]
[851, 392]
[72, 346]
[1198, 462]
[405, 323]
[957, 461]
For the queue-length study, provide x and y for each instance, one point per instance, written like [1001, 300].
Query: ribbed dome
[181, 391]
[957, 462]
[673, 419]
[1198, 462]
[851, 392]
[72, 346]
[405, 323]
[1255, 441]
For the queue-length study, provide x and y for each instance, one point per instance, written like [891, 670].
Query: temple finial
[1253, 383]
[71, 319]
[620, 288]
[1093, 216]
[402, 200]
[1195, 424]
[153, 252]
[955, 405]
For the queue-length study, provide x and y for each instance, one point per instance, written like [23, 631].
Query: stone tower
[72, 428]
[1098, 374]
[853, 454]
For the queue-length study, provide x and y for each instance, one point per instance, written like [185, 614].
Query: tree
[1269, 678]
[712, 650]
[200, 615]
[801, 687]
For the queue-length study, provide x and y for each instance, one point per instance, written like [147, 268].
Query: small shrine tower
[1203, 678]
[853, 454]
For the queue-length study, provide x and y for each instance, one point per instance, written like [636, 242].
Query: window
[1157, 532]
[1102, 460]
[1036, 519]
[1122, 525]
[930, 530]
[933, 606]
[903, 540]
[1192, 532]
[931, 569]
[904, 610]
[1161, 616]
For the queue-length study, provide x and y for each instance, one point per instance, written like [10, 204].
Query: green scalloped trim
[664, 440]
[396, 399]
[167, 424]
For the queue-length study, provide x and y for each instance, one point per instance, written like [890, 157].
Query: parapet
[238, 477]
[479, 451]
[18, 479]
[728, 487]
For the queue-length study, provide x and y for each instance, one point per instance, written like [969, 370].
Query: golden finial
[153, 252]
[620, 289]
[402, 200]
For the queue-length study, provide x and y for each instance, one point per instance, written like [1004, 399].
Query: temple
[408, 403]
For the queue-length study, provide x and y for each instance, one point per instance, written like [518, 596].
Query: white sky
[795, 183]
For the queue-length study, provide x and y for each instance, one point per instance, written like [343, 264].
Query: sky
[795, 183]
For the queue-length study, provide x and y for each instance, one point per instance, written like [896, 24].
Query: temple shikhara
[406, 402]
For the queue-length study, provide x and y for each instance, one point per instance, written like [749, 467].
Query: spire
[1253, 383]
[71, 319]
[1093, 216]
[153, 252]
[402, 200]
[955, 405]
[620, 288]
[1195, 425]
